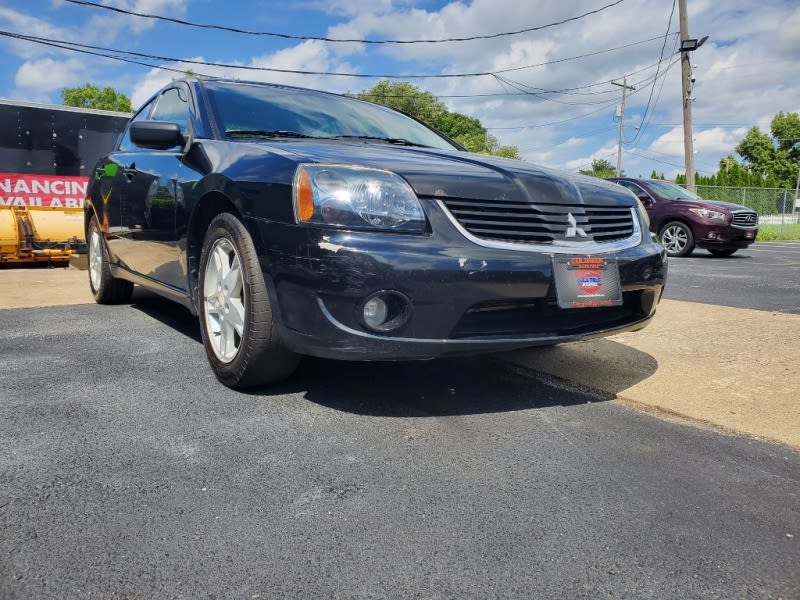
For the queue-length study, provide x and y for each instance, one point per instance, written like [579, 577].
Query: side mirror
[645, 198]
[156, 135]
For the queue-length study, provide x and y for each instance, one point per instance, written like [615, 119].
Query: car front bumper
[723, 237]
[462, 298]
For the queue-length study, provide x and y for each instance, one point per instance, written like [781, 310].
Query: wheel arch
[679, 219]
[89, 211]
[209, 206]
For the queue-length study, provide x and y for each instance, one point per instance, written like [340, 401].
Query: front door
[146, 187]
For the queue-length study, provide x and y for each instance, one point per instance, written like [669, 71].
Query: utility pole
[686, 92]
[625, 87]
[687, 46]
[797, 191]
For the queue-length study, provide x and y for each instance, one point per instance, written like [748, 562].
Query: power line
[663, 162]
[543, 94]
[120, 55]
[539, 125]
[638, 137]
[718, 125]
[584, 135]
[587, 55]
[117, 54]
[565, 91]
[653, 87]
[64, 45]
[542, 91]
[649, 151]
[587, 114]
[338, 40]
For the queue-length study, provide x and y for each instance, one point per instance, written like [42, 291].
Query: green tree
[768, 160]
[467, 131]
[601, 168]
[90, 96]
[773, 159]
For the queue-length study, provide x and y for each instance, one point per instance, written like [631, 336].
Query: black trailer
[47, 155]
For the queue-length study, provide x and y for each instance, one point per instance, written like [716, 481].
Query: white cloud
[103, 27]
[349, 7]
[48, 75]
[608, 153]
[19, 22]
[100, 28]
[715, 141]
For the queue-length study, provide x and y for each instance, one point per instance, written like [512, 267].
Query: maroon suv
[683, 220]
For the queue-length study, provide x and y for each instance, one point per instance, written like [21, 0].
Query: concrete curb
[694, 363]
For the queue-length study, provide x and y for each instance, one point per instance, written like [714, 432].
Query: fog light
[712, 236]
[375, 312]
[386, 311]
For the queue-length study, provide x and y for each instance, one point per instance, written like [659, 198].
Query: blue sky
[559, 114]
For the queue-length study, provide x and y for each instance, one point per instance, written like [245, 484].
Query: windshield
[671, 191]
[285, 112]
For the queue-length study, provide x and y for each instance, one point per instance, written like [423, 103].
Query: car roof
[217, 82]
[642, 179]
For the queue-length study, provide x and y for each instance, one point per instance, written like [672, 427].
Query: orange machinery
[36, 234]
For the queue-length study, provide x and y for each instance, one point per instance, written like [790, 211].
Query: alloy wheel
[675, 239]
[95, 259]
[224, 300]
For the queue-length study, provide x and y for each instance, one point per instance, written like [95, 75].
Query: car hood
[721, 204]
[453, 174]
[710, 204]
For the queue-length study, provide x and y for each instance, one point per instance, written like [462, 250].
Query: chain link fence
[773, 205]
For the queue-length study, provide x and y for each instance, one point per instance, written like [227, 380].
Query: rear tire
[236, 318]
[677, 238]
[721, 253]
[106, 288]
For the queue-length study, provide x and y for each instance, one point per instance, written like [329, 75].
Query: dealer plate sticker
[587, 281]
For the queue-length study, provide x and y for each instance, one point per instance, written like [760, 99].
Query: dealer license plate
[587, 281]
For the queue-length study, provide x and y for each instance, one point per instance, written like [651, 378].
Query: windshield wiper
[267, 133]
[388, 140]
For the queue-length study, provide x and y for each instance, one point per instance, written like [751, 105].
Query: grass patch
[787, 231]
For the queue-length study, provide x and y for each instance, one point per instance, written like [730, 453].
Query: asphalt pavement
[765, 276]
[127, 470]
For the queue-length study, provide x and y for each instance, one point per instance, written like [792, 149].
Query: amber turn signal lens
[305, 198]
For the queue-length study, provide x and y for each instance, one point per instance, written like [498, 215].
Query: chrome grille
[524, 222]
[745, 219]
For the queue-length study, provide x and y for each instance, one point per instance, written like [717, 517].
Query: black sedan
[295, 221]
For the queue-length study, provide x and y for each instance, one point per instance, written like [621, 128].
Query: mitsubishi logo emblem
[573, 230]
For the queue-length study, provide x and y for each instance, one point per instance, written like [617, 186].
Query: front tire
[721, 253]
[106, 288]
[236, 318]
[677, 238]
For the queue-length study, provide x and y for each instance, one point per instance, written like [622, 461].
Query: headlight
[706, 213]
[355, 197]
